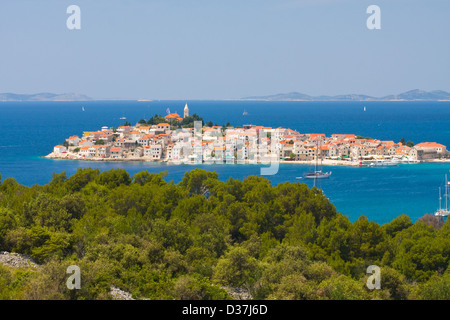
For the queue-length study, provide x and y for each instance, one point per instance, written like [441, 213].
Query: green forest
[204, 238]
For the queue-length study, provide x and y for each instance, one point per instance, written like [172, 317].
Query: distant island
[44, 96]
[412, 95]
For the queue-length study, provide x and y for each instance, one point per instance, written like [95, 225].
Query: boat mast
[321, 161]
[317, 157]
[446, 193]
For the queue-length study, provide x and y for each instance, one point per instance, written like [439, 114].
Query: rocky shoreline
[325, 162]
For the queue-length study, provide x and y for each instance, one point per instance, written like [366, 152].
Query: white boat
[443, 212]
[317, 174]
[383, 163]
[244, 113]
[122, 118]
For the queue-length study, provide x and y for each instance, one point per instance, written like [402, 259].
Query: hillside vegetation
[207, 239]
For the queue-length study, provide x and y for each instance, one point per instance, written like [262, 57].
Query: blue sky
[211, 49]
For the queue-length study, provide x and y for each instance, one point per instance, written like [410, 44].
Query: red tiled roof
[430, 145]
[172, 116]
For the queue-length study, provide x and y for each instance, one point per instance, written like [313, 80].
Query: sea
[29, 130]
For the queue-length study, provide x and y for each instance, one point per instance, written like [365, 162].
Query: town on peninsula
[187, 139]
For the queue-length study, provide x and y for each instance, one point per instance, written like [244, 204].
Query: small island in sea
[187, 139]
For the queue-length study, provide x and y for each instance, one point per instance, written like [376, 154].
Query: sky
[211, 49]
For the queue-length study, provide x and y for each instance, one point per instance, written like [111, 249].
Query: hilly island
[44, 96]
[412, 95]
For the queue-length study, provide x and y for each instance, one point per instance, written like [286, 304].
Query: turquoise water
[31, 129]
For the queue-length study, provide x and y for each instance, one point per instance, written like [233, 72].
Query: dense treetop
[187, 122]
[202, 237]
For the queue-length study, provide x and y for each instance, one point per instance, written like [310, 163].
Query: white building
[59, 149]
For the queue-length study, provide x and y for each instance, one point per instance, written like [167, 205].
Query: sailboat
[244, 113]
[317, 174]
[82, 108]
[443, 212]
